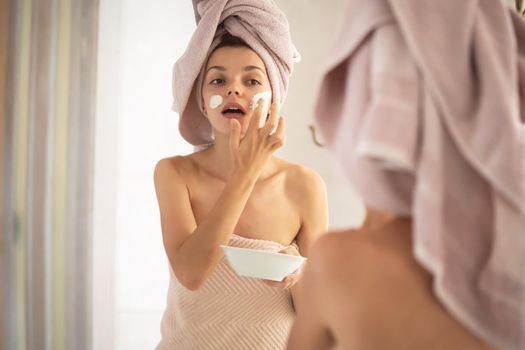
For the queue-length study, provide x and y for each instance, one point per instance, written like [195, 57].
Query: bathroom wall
[136, 128]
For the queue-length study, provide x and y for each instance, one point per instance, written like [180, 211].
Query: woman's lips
[233, 115]
[233, 110]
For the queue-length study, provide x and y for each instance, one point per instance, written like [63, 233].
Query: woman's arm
[307, 189]
[193, 250]
[311, 198]
[311, 330]
[314, 213]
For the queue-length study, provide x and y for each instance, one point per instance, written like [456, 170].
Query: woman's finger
[276, 140]
[256, 118]
[272, 121]
[235, 134]
[291, 250]
[272, 283]
[287, 282]
[275, 284]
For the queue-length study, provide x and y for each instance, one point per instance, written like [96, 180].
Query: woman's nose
[234, 89]
[231, 91]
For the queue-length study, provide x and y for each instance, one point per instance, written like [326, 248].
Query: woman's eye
[254, 82]
[217, 81]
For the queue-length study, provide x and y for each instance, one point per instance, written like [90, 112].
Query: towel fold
[260, 24]
[424, 104]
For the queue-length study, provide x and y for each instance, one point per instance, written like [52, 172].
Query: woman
[234, 192]
[422, 108]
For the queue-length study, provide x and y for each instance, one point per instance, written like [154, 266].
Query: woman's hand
[290, 280]
[251, 153]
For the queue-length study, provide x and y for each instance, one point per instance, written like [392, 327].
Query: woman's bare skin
[365, 291]
[236, 186]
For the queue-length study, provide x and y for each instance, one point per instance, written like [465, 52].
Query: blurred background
[85, 97]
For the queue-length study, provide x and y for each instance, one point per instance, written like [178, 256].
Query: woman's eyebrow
[221, 68]
[247, 68]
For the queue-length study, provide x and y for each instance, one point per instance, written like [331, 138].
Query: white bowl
[262, 264]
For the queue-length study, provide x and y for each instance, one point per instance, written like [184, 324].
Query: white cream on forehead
[215, 101]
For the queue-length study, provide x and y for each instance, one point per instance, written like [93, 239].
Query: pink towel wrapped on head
[423, 103]
[260, 24]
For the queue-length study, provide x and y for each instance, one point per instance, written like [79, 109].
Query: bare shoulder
[330, 246]
[336, 252]
[302, 181]
[377, 248]
[168, 167]
[180, 166]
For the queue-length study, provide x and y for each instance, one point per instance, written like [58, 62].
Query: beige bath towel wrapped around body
[229, 312]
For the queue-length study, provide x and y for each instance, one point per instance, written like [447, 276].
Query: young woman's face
[233, 76]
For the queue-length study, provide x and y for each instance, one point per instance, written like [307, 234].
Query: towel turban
[260, 24]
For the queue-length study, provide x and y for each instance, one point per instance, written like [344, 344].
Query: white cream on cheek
[215, 101]
[265, 97]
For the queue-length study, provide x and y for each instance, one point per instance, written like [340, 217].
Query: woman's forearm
[198, 254]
